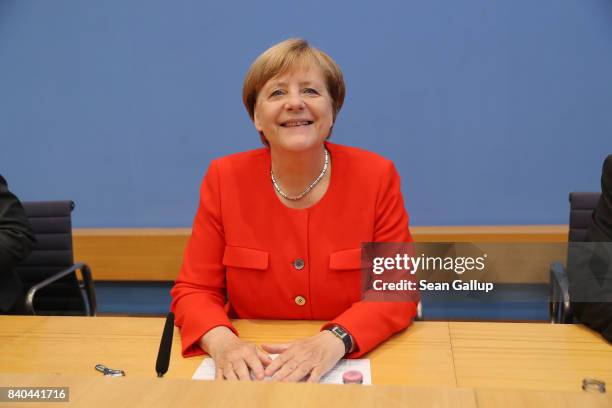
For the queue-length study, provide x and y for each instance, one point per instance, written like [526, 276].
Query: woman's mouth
[296, 123]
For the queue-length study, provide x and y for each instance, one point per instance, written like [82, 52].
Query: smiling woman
[285, 58]
[277, 236]
[293, 111]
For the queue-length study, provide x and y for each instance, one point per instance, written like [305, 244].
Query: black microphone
[165, 347]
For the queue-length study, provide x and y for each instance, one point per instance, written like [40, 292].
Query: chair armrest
[91, 304]
[560, 308]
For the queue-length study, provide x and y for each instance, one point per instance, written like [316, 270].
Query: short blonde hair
[284, 56]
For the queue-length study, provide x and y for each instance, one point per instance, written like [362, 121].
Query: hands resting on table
[310, 358]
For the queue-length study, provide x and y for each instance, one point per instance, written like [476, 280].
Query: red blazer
[277, 262]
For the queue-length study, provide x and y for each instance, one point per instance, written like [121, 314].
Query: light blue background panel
[492, 110]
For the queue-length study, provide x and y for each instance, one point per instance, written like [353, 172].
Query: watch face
[341, 333]
[344, 336]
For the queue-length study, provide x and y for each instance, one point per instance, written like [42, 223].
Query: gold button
[300, 300]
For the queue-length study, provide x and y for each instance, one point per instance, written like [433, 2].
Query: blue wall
[492, 110]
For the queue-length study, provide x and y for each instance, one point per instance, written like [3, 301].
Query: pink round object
[352, 377]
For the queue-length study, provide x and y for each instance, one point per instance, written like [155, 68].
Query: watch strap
[343, 335]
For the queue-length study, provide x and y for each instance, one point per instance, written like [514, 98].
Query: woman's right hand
[234, 357]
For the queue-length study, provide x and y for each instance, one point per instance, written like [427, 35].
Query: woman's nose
[294, 102]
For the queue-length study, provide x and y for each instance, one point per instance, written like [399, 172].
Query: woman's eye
[311, 91]
[276, 93]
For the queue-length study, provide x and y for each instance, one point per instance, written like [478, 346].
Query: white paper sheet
[206, 371]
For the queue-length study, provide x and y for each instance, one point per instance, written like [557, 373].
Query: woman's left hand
[314, 355]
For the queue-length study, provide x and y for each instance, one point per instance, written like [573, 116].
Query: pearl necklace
[310, 187]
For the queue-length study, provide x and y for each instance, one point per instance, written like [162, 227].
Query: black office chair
[582, 206]
[49, 272]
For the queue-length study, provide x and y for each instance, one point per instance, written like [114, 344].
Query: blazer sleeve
[593, 280]
[600, 227]
[199, 293]
[16, 235]
[370, 323]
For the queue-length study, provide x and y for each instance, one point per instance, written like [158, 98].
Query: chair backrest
[52, 225]
[581, 211]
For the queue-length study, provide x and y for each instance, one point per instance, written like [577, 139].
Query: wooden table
[419, 356]
[528, 356]
[467, 364]
[88, 391]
